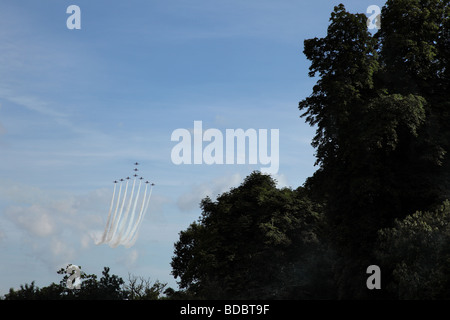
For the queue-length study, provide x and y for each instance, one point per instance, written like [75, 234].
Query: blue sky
[79, 107]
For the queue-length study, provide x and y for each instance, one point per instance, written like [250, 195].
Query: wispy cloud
[54, 220]
[35, 220]
[32, 103]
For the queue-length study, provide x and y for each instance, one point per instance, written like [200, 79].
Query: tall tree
[415, 48]
[380, 141]
[347, 178]
[255, 241]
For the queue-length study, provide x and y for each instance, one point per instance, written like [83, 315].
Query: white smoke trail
[110, 228]
[108, 221]
[123, 222]
[137, 226]
[121, 227]
[120, 214]
[126, 236]
[130, 231]
[125, 218]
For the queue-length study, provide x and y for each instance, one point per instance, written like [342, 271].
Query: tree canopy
[417, 251]
[255, 241]
[380, 109]
[108, 287]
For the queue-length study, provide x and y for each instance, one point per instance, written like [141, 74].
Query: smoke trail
[128, 233]
[120, 213]
[126, 236]
[137, 226]
[123, 222]
[109, 233]
[108, 221]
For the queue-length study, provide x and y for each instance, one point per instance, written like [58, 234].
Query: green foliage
[380, 107]
[139, 288]
[414, 38]
[387, 116]
[27, 292]
[416, 249]
[109, 287]
[345, 61]
[255, 241]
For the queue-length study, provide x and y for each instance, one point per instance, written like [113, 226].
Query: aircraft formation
[127, 211]
[135, 176]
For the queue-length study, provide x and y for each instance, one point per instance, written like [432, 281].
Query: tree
[139, 288]
[380, 108]
[415, 48]
[417, 249]
[27, 292]
[108, 288]
[255, 241]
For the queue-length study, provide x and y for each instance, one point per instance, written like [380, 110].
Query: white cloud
[63, 250]
[55, 227]
[22, 194]
[35, 219]
[191, 199]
